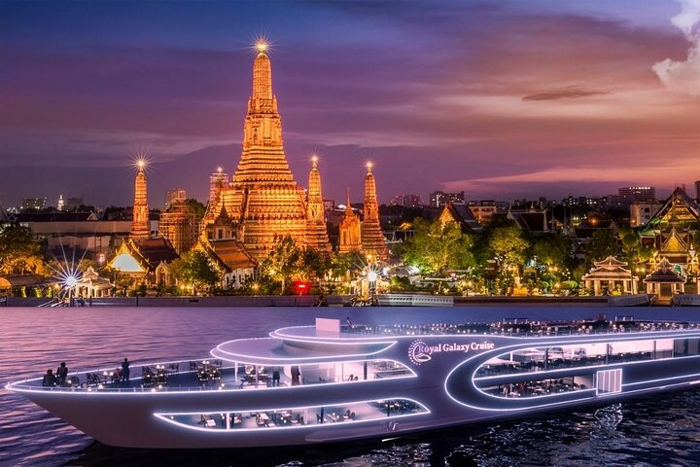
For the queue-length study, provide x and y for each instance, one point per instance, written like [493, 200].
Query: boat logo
[418, 352]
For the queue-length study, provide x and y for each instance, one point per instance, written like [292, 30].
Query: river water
[658, 430]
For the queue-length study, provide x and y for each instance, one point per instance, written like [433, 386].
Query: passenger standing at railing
[125, 370]
[61, 374]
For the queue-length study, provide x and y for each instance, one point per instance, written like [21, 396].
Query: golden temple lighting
[261, 46]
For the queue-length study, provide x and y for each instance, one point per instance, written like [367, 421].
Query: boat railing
[555, 329]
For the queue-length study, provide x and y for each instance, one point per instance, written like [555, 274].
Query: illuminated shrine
[140, 227]
[674, 231]
[373, 241]
[262, 203]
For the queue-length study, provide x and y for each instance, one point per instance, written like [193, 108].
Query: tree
[345, 264]
[312, 263]
[508, 246]
[551, 249]
[602, 245]
[195, 269]
[19, 252]
[437, 246]
[282, 261]
[198, 208]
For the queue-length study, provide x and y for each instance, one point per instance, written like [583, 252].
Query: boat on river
[333, 382]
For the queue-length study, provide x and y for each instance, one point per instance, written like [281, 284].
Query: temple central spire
[262, 203]
[262, 75]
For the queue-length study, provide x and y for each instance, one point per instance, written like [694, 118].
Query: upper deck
[331, 353]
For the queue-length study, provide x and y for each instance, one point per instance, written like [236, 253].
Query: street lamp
[372, 278]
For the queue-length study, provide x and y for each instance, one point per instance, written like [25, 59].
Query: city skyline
[499, 100]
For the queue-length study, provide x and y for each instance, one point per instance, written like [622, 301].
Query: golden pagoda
[350, 236]
[262, 202]
[373, 241]
[140, 227]
[316, 231]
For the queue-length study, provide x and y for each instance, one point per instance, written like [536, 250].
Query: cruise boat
[333, 382]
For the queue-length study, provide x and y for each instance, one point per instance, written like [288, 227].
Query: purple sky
[500, 99]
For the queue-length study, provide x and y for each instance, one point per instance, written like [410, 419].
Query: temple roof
[665, 273]
[674, 243]
[678, 209]
[461, 213]
[533, 221]
[609, 269]
[229, 254]
[147, 252]
[155, 250]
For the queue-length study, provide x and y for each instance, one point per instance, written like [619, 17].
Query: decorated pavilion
[609, 275]
[665, 281]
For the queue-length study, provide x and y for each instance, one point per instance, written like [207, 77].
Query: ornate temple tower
[140, 227]
[316, 231]
[373, 242]
[263, 200]
[350, 237]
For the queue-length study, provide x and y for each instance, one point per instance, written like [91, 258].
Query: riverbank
[347, 300]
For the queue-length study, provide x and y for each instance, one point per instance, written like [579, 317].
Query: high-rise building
[61, 204]
[33, 203]
[140, 226]
[74, 203]
[484, 210]
[373, 241]
[174, 196]
[630, 194]
[262, 203]
[642, 212]
[407, 201]
[440, 198]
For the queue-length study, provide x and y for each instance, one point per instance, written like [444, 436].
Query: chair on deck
[73, 381]
[93, 379]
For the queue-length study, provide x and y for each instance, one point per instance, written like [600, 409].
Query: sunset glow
[500, 100]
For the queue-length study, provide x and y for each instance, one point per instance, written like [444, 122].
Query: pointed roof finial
[261, 46]
[369, 166]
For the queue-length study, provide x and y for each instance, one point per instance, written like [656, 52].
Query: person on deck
[125, 370]
[61, 374]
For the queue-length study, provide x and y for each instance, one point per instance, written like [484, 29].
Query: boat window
[561, 357]
[686, 347]
[538, 387]
[298, 416]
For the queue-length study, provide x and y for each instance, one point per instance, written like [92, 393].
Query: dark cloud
[566, 93]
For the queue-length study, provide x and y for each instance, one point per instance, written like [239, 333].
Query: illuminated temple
[373, 241]
[262, 203]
